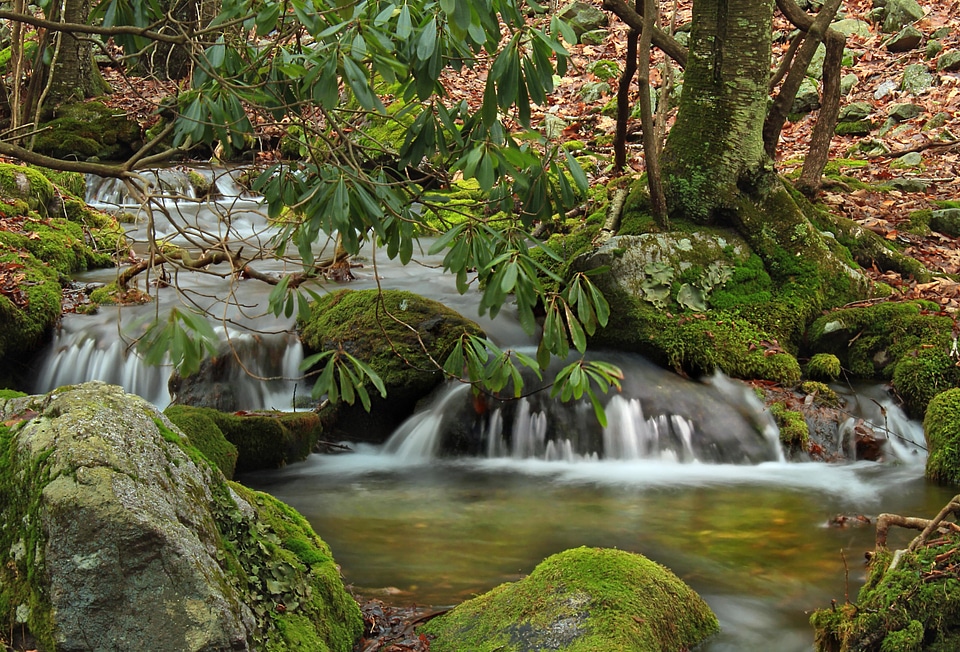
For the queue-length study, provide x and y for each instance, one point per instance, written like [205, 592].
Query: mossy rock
[206, 436]
[364, 324]
[941, 429]
[262, 440]
[644, 285]
[907, 342]
[28, 184]
[102, 497]
[824, 366]
[909, 607]
[794, 431]
[580, 600]
[88, 129]
[27, 319]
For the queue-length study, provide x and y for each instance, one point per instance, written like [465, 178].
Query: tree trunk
[74, 75]
[715, 149]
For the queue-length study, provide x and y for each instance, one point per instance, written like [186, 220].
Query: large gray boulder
[117, 534]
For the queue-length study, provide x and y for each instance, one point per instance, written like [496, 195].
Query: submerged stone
[578, 600]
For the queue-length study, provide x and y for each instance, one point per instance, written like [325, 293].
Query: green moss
[909, 607]
[25, 325]
[920, 222]
[922, 374]
[824, 366]
[261, 440]
[28, 184]
[941, 427]
[589, 598]
[303, 605]
[794, 431]
[204, 433]
[88, 129]
[73, 183]
[364, 324]
[870, 340]
[857, 128]
[821, 393]
[604, 69]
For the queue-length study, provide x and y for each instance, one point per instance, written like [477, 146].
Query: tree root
[926, 526]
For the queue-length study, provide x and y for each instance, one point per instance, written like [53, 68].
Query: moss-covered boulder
[206, 436]
[909, 343]
[261, 440]
[941, 429]
[580, 600]
[400, 335]
[88, 130]
[30, 296]
[115, 532]
[911, 605]
[695, 301]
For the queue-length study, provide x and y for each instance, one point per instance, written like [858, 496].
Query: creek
[688, 473]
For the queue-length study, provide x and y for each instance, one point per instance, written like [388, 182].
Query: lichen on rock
[118, 534]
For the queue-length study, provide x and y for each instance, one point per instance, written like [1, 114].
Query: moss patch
[580, 600]
[941, 429]
[914, 606]
[262, 440]
[88, 129]
[204, 433]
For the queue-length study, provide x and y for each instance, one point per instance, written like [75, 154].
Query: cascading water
[459, 500]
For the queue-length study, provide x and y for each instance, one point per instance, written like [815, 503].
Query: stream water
[688, 473]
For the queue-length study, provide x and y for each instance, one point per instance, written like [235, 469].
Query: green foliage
[182, 339]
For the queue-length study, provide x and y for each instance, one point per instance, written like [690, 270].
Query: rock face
[941, 429]
[581, 599]
[117, 534]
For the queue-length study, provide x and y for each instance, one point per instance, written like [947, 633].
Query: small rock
[553, 126]
[936, 121]
[934, 48]
[847, 82]
[884, 89]
[916, 79]
[855, 111]
[899, 13]
[808, 97]
[583, 17]
[594, 37]
[852, 27]
[946, 221]
[905, 111]
[949, 61]
[942, 33]
[906, 39]
[911, 160]
[590, 92]
[909, 185]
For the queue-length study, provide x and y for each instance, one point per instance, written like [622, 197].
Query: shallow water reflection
[751, 539]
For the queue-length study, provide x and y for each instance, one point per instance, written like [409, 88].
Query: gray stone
[885, 88]
[808, 97]
[936, 121]
[911, 160]
[909, 185]
[853, 27]
[934, 47]
[947, 221]
[553, 126]
[949, 61]
[942, 33]
[594, 37]
[907, 39]
[847, 82]
[592, 91]
[916, 79]
[126, 528]
[904, 111]
[815, 69]
[855, 111]
[899, 13]
[583, 17]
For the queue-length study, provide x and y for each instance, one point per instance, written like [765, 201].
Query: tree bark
[715, 148]
[651, 147]
[74, 75]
